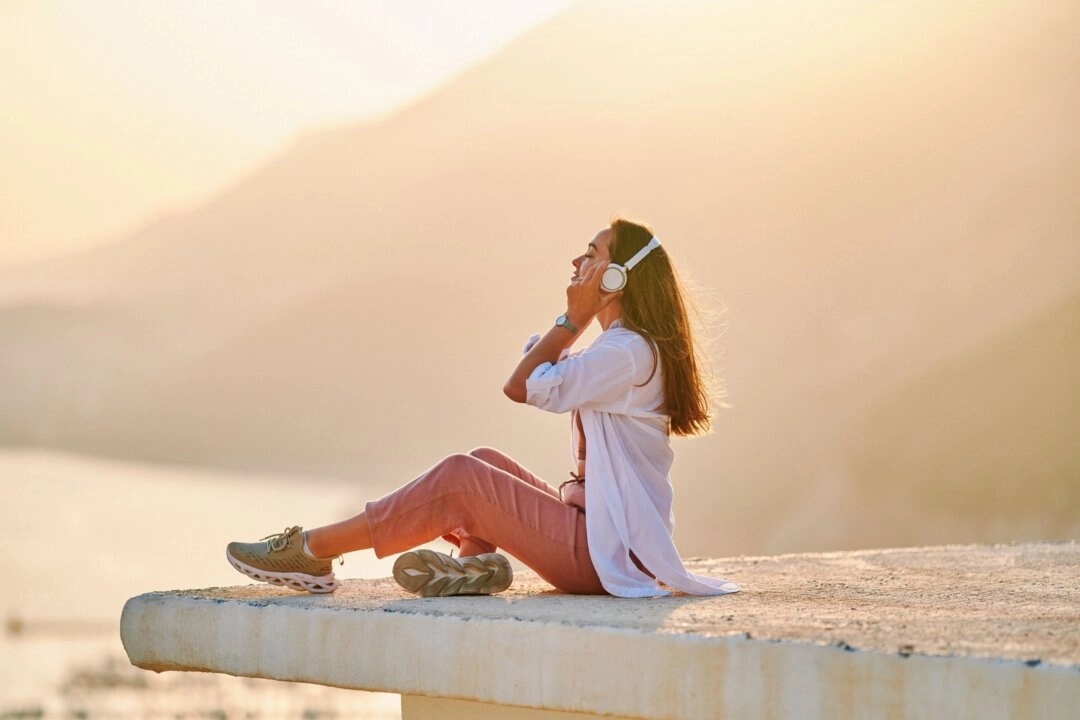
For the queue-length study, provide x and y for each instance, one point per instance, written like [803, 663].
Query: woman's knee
[487, 454]
[490, 457]
[462, 477]
[458, 473]
[458, 464]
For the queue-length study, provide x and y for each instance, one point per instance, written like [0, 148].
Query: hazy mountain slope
[871, 191]
[991, 430]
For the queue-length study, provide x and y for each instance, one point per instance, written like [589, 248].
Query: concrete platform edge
[587, 670]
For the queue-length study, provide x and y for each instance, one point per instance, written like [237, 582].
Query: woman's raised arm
[584, 300]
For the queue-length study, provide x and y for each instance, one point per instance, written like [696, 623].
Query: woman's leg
[493, 507]
[469, 545]
[346, 536]
[497, 459]
[352, 534]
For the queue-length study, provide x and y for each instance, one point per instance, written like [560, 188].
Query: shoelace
[279, 541]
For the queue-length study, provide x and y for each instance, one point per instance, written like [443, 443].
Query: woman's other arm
[546, 350]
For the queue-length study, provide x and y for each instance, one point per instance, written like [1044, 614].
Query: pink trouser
[482, 501]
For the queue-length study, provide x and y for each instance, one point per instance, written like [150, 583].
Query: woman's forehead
[602, 239]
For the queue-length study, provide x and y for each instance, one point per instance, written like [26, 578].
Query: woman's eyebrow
[593, 246]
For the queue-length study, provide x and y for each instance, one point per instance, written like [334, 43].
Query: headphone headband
[640, 254]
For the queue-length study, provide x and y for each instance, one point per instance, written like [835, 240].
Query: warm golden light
[311, 260]
[115, 113]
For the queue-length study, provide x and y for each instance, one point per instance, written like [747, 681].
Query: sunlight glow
[116, 112]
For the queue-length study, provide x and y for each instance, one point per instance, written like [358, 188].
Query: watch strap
[564, 322]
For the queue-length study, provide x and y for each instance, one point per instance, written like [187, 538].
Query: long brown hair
[653, 306]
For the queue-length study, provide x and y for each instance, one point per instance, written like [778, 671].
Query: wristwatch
[564, 322]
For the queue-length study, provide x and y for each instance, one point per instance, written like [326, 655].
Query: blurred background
[260, 262]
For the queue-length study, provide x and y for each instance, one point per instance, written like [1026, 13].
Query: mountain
[869, 192]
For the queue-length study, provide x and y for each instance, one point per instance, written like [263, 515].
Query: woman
[628, 392]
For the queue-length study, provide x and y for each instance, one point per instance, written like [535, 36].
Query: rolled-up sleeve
[598, 378]
[535, 338]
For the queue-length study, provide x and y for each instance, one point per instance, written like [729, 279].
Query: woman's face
[596, 253]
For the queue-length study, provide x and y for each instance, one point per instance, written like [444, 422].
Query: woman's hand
[573, 494]
[584, 298]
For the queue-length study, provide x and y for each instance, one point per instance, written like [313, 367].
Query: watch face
[561, 320]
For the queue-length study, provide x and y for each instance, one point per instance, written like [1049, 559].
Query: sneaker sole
[294, 581]
[431, 574]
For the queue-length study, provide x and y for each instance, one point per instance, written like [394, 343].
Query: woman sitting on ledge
[627, 393]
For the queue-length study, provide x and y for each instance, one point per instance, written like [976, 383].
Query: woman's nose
[576, 262]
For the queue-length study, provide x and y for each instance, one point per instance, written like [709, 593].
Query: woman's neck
[609, 314]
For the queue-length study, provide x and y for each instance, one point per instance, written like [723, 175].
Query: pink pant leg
[502, 509]
[471, 545]
[497, 459]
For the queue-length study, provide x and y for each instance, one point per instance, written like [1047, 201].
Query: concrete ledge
[959, 631]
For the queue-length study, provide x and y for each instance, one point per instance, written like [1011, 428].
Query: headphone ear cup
[613, 279]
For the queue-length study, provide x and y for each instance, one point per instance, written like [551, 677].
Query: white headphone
[614, 277]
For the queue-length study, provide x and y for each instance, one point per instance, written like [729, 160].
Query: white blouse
[628, 492]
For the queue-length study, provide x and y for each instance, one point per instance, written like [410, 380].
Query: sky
[116, 112]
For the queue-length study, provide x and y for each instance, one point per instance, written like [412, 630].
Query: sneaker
[280, 560]
[432, 574]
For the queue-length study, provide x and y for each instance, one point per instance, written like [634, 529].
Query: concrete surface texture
[956, 631]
